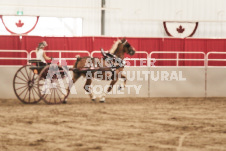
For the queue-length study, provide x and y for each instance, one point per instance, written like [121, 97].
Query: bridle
[130, 51]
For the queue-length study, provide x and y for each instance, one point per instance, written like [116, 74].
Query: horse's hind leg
[87, 88]
[76, 76]
[71, 86]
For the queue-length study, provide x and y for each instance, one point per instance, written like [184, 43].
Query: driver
[40, 53]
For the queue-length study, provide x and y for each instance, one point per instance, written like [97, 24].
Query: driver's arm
[46, 57]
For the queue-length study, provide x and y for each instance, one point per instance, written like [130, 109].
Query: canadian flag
[180, 29]
[19, 24]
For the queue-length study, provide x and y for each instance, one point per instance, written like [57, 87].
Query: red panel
[78, 43]
[31, 42]
[10, 42]
[195, 45]
[216, 45]
[103, 42]
[172, 44]
[140, 44]
[149, 44]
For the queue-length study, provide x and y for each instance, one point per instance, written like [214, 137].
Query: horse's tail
[78, 58]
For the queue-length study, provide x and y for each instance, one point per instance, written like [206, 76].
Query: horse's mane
[115, 46]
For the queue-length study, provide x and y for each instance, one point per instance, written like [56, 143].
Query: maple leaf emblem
[19, 24]
[180, 29]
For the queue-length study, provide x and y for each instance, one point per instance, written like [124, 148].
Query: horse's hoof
[102, 101]
[64, 102]
[93, 100]
[120, 87]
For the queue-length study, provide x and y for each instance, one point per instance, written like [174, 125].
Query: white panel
[6, 88]
[135, 86]
[194, 86]
[216, 82]
[131, 18]
[7, 74]
[190, 82]
[78, 90]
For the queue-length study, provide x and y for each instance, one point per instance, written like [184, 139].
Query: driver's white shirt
[39, 55]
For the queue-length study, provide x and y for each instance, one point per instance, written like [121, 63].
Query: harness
[114, 61]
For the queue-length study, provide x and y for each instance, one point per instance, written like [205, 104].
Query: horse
[117, 52]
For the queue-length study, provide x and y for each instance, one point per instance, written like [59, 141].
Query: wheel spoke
[61, 85]
[31, 75]
[50, 95]
[61, 92]
[42, 89]
[24, 75]
[35, 86]
[23, 91]
[21, 87]
[36, 92]
[26, 93]
[58, 95]
[21, 78]
[27, 74]
[54, 96]
[62, 88]
[46, 96]
[29, 97]
[19, 83]
[32, 91]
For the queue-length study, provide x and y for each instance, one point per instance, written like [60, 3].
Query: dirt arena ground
[171, 124]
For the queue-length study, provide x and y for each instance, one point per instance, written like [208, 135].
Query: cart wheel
[53, 86]
[25, 85]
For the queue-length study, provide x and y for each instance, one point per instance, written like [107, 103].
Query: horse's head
[127, 48]
[120, 47]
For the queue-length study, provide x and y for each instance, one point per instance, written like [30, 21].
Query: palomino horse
[117, 52]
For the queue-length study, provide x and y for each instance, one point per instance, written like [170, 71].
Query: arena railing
[61, 52]
[215, 59]
[93, 53]
[149, 57]
[177, 59]
[15, 53]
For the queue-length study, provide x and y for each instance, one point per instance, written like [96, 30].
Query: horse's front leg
[124, 82]
[87, 88]
[102, 98]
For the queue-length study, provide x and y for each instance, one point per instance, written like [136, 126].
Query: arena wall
[161, 82]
